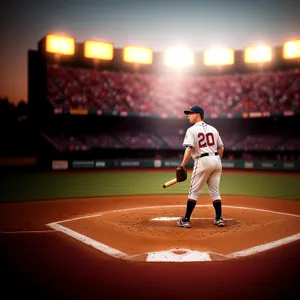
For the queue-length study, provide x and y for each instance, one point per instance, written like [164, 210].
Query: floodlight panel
[291, 49]
[179, 56]
[60, 44]
[219, 56]
[139, 55]
[98, 50]
[258, 54]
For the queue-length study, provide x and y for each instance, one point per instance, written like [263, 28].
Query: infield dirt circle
[143, 228]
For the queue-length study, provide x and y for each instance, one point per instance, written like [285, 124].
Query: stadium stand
[258, 142]
[292, 144]
[108, 91]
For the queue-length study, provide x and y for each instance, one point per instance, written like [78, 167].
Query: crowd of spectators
[258, 142]
[107, 91]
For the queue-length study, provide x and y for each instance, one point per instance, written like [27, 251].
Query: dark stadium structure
[113, 110]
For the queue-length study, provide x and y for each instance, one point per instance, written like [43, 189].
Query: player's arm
[187, 155]
[221, 151]
[220, 147]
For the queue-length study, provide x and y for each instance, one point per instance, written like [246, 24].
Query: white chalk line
[265, 247]
[163, 255]
[88, 241]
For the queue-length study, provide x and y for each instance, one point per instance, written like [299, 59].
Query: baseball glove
[181, 173]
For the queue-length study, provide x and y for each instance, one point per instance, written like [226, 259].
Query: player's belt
[208, 154]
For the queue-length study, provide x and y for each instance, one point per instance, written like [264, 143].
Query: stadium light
[98, 50]
[219, 56]
[291, 49]
[60, 44]
[139, 55]
[258, 54]
[179, 57]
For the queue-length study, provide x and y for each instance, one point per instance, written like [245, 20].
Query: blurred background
[103, 84]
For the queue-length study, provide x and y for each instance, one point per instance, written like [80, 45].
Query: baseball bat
[169, 183]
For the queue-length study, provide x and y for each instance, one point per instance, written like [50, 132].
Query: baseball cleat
[182, 223]
[220, 222]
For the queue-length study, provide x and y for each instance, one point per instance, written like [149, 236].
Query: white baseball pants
[208, 170]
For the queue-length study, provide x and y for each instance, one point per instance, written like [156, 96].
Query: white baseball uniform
[205, 140]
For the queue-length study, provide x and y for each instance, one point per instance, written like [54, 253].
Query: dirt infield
[48, 263]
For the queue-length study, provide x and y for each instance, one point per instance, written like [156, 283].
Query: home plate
[177, 218]
[178, 255]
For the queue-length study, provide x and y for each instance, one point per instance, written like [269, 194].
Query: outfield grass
[38, 186]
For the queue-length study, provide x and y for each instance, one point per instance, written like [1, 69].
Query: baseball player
[204, 144]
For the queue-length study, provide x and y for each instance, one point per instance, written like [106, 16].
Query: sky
[157, 24]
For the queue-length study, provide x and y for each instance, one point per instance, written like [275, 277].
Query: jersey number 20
[206, 139]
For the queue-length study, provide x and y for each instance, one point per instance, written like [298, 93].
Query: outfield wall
[151, 163]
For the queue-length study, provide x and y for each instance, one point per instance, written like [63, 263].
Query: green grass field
[16, 186]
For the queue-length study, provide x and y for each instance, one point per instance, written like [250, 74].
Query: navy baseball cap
[195, 109]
